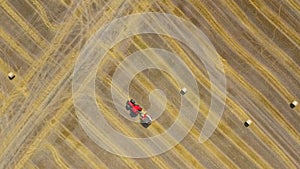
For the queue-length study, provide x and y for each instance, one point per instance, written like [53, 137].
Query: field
[42, 41]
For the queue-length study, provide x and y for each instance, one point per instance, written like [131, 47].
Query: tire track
[56, 156]
[241, 51]
[35, 106]
[35, 66]
[16, 46]
[221, 157]
[22, 122]
[124, 129]
[25, 121]
[227, 162]
[280, 24]
[215, 153]
[157, 161]
[43, 14]
[248, 88]
[194, 68]
[54, 82]
[128, 161]
[51, 50]
[263, 39]
[230, 129]
[30, 30]
[285, 10]
[271, 146]
[240, 145]
[246, 55]
[29, 119]
[75, 142]
[51, 125]
[78, 147]
[204, 81]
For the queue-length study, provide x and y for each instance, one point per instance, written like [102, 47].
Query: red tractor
[135, 110]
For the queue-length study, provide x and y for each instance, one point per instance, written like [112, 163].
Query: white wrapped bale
[293, 104]
[11, 75]
[183, 91]
[248, 123]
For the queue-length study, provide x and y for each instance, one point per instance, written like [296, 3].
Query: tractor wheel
[127, 107]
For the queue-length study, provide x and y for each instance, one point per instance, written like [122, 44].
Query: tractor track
[246, 55]
[55, 91]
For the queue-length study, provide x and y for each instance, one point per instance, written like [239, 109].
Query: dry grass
[258, 41]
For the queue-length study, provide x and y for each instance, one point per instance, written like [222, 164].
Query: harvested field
[46, 42]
